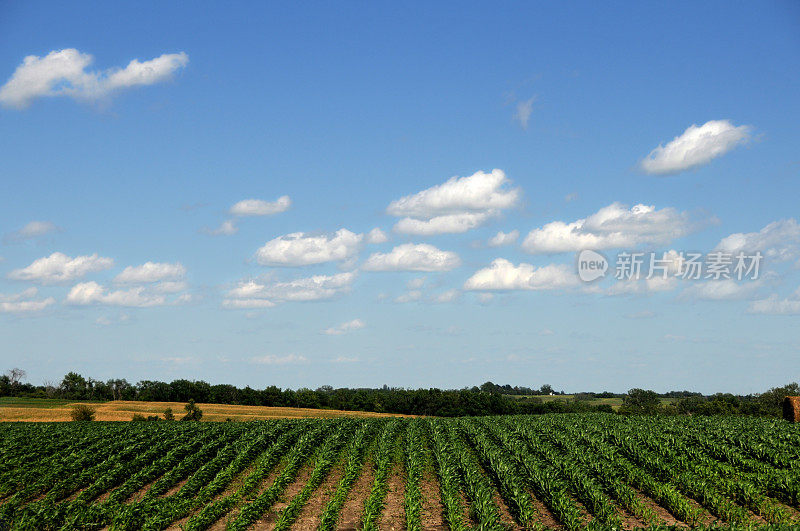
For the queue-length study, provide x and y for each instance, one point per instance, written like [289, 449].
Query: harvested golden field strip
[120, 410]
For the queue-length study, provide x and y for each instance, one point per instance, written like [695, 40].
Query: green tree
[773, 399]
[192, 411]
[640, 402]
[74, 386]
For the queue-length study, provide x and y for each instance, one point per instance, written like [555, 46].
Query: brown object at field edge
[791, 408]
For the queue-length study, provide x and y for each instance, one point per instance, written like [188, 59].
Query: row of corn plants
[265, 463]
[384, 457]
[326, 458]
[297, 457]
[414, 460]
[356, 454]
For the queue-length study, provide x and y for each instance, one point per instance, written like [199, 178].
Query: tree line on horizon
[486, 399]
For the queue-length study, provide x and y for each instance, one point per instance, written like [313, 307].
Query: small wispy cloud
[343, 328]
[227, 228]
[344, 359]
[522, 112]
[271, 359]
[259, 207]
[31, 231]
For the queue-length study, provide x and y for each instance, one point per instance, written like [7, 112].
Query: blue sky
[192, 191]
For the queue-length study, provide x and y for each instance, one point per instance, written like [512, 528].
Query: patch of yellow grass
[124, 410]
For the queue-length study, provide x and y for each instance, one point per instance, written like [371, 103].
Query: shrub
[168, 414]
[640, 402]
[138, 417]
[82, 412]
[192, 411]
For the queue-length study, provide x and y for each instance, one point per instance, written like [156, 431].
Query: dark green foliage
[82, 412]
[640, 402]
[192, 411]
[488, 399]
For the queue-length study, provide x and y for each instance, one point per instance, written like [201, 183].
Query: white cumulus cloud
[413, 257]
[87, 293]
[612, 227]
[259, 207]
[256, 294]
[447, 224]
[455, 206]
[64, 73]
[504, 275]
[24, 302]
[697, 146]
[343, 328]
[247, 304]
[300, 249]
[779, 240]
[59, 267]
[172, 286]
[151, 272]
[503, 238]
[376, 235]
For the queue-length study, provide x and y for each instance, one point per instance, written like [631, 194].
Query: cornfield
[523, 472]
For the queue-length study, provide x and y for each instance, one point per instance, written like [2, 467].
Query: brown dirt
[393, 516]
[176, 487]
[267, 521]
[506, 518]
[587, 516]
[232, 487]
[236, 482]
[178, 524]
[794, 514]
[220, 524]
[139, 494]
[311, 515]
[467, 514]
[707, 519]
[629, 521]
[756, 519]
[75, 494]
[103, 497]
[432, 511]
[350, 517]
[546, 518]
[663, 514]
